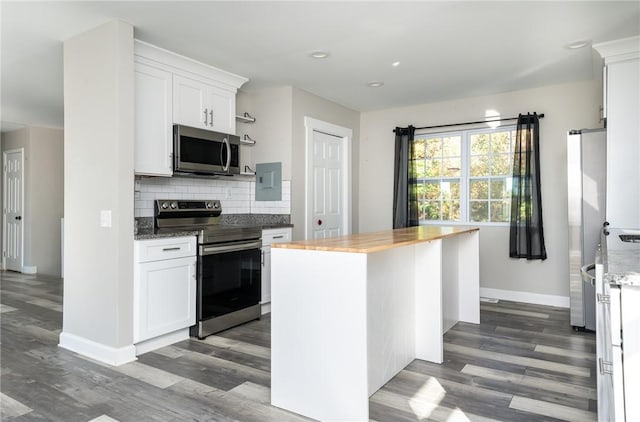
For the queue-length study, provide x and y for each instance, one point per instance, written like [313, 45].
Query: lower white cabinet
[269, 237]
[164, 294]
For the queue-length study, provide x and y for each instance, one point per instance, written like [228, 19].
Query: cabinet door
[266, 275]
[153, 148]
[164, 297]
[269, 237]
[222, 109]
[189, 103]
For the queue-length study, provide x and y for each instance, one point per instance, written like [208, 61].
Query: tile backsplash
[236, 196]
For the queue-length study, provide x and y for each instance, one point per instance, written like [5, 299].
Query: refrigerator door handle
[586, 277]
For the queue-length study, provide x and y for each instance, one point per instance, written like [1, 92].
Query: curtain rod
[541, 115]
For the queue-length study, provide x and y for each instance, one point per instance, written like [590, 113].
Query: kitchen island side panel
[319, 334]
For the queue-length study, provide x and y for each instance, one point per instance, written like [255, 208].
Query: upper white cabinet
[199, 104]
[172, 89]
[622, 105]
[154, 141]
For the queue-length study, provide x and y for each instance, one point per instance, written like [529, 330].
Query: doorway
[328, 179]
[13, 205]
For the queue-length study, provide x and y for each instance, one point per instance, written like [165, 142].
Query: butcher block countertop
[378, 241]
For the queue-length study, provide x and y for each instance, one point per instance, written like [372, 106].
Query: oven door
[229, 278]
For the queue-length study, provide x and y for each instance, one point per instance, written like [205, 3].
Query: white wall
[272, 109]
[98, 174]
[568, 106]
[306, 104]
[43, 194]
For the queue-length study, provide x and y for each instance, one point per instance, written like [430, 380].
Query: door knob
[18, 217]
[319, 222]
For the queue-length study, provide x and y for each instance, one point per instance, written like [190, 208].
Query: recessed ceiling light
[319, 54]
[395, 64]
[375, 84]
[577, 44]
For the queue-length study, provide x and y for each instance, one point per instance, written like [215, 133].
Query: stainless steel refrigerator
[586, 177]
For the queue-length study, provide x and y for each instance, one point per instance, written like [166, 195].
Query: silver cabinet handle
[211, 117]
[206, 123]
[170, 249]
[278, 237]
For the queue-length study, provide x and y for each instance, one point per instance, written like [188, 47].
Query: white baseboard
[161, 341]
[110, 355]
[526, 297]
[29, 269]
[265, 308]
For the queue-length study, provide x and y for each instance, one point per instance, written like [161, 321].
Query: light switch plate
[105, 218]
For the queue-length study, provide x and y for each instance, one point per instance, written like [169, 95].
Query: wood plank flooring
[522, 363]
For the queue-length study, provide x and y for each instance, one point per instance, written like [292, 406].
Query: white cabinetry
[154, 136]
[622, 105]
[164, 291]
[269, 237]
[203, 105]
[169, 89]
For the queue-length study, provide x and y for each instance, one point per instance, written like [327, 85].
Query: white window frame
[465, 160]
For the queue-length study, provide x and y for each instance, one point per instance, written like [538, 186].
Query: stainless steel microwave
[204, 152]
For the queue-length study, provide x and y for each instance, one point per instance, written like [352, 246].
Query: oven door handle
[217, 249]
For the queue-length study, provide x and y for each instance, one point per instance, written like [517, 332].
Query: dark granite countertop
[144, 225]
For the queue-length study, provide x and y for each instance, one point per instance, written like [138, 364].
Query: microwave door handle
[228, 147]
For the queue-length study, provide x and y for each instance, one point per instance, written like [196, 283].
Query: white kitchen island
[348, 313]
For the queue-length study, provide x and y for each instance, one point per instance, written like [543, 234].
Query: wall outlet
[105, 218]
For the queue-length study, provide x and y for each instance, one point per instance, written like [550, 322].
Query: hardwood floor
[522, 363]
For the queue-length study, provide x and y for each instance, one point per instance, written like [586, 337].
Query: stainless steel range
[229, 263]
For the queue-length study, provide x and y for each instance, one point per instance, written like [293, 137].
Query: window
[464, 176]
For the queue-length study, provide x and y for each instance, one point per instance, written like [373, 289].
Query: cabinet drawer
[165, 248]
[271, 236]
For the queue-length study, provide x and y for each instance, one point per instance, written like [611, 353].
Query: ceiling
[446, 50]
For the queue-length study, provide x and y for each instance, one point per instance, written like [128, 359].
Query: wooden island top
[378, 241]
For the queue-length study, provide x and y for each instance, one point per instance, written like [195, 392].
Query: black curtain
[526, 239]
[405, 198]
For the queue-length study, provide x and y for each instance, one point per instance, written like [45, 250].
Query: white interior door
[13, 161]
[328, 180]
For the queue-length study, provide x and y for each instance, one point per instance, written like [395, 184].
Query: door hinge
[603, 298]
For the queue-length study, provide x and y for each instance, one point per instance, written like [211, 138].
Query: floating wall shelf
[246, 118]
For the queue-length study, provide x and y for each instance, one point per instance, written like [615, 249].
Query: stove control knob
[209, 204]
[216, 205]
[174, 205]
[164, 205]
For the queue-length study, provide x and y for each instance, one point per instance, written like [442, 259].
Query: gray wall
[98, 175]
[566, 107]
[43, 194]
[307, 104]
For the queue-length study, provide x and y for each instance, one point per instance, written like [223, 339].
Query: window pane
[451, 146]
[454, 190]
[418, 149]
[431, 210]
[479, 166]
[433, 168]
[500, 211]
[499, 189]
[451, 210]
[421, 172]
[479, 189]
[432, 190]
[500, 142]
[479, 144]
[500, 165]
[434, 148]
[479, 211]
[420, 191]
[451, 167]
